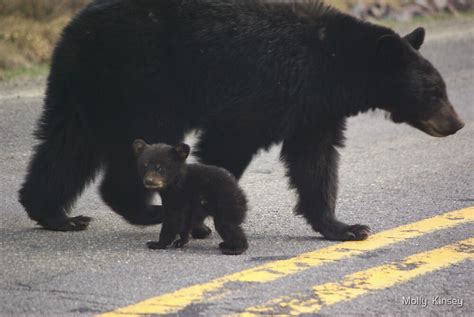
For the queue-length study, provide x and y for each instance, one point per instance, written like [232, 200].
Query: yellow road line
[363, 282]
[175, 301]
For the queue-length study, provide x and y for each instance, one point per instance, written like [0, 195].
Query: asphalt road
[391, 175]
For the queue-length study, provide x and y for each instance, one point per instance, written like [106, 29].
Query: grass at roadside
[26, 43]
[29, 30]
[26, 71]
[346, 4]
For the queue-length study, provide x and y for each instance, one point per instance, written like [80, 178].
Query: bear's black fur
[190, 193]
[248, 74]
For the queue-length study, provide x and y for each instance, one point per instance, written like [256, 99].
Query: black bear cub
[190, 193]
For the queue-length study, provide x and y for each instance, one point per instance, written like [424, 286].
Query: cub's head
[410, 88]
[160, 166]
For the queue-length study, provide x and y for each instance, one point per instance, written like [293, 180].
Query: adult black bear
[190, 193]
[247, 74]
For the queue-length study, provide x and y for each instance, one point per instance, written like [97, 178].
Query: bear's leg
[235, 241]
[225, 148]
[59, 170]
[312, 161]
[123, 191]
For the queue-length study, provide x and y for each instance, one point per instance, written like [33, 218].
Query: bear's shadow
[37, 239]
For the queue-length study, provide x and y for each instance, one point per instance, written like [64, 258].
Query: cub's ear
[416, 38]
[390, 50]
[182, 150]
[138, 146]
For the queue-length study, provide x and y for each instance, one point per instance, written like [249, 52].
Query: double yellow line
[325, 294]
[360, 283]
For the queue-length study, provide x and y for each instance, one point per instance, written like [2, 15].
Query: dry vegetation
[39, 9]
[346, 4]
[29, 29]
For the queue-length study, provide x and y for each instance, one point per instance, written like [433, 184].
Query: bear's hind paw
[78, 223]
[232, 250]
[201, 232]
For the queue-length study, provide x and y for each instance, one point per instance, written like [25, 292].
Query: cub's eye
[145, 164]
[159, 169]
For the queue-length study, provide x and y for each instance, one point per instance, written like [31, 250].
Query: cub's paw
[346, 232]
[156, 245]
[233, 249]
[201, 232]
[78, 223]
[180, 243]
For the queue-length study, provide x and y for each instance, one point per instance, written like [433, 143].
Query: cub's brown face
[160, 165]
[153, 178]
[411, 89]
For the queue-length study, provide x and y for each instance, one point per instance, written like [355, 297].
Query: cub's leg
[235, 241]
[184, 234]
[172, 223]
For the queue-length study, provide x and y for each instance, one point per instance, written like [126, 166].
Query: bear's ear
[416, 38]
[139, 146]
[182, 150]
[390, 50]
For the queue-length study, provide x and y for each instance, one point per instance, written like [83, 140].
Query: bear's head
[161, 166]
[410, 88]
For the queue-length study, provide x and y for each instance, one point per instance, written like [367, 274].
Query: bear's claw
[346, 232]
[357, 232]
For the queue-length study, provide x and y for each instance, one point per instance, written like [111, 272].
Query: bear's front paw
[358, 232]
[342, 232]
[156, 245]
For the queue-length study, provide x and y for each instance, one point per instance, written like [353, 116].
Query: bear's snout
[153, 182]
[444, 122]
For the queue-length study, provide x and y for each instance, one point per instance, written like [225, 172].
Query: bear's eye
[159, 169]
[145, 164]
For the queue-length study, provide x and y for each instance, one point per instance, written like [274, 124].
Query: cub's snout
[152, 181]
